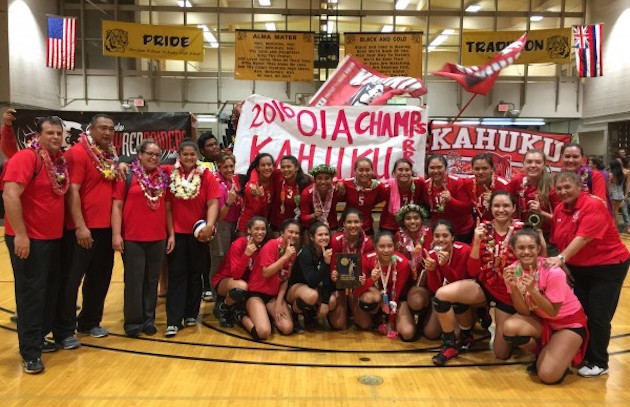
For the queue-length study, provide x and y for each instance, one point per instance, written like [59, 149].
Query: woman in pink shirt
[550, 321]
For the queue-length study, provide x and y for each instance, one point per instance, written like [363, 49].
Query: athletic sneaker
[70, 343]
[466, 343]
[207, 296]
[592, 371]
[150, 330]
[447, 353]
[190, 322]
[171, 331]
[48, 346]
[33, 366]
[96, 332]
[223, 314]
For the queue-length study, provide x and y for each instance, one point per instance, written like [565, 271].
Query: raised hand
[429, 263]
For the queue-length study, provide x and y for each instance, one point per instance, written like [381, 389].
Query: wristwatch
[561, 257]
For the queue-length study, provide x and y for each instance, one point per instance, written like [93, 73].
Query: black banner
[167, 129]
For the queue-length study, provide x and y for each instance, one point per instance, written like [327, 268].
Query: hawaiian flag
[587, 42]
[480, 79]
[61, 43]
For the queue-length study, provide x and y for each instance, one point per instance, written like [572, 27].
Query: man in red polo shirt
[87, 243]
[34, 183]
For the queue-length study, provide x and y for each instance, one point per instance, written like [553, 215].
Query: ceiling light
[206, 118]
[270, 26]
[208, 36]
[330, 27]
[402, 4]
[387, 28]
[473, 8]
[536, 18]
[183, 3]
[448, 31]
[264, 3]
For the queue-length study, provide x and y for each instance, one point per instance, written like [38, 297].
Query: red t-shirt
[526, 193]
[388, 219]
[269, 254]
[236, 264]
[458, 209]
[402, 275]
[307, 208]
[139, 222]
[187, 212]
[42, 209]
[475, 193]
[337, 243]
[254, 206]
[95, 191]
[588, 218]
[454, 270]
[283, 201]
[364, 200]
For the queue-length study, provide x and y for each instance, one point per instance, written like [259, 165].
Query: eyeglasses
[151, 154]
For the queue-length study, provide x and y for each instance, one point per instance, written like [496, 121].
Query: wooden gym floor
[209, 365]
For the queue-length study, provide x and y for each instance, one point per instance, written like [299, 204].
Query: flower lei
[105, 161]
[285, 272]
[389, 303]
[227, 185]
[496, 255]
[420, 209]
[323, 206]
[414, 248]
[481, 209]
[585, 172]
[186, 188]
[438, 204]
[57, 171]
[323, 168]
[152, 189]
[345, 247]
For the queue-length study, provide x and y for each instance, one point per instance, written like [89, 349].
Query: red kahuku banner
[332, 135]
[480, 79]
[355, 84]
[507, 146]
[587, 42]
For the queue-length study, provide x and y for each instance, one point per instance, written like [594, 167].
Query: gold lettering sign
[274, 56]
[542, 46]
[393, 54]
[122, 39]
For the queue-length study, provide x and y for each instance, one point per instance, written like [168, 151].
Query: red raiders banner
[167, 129]
[507, 146]
[332, 135]
[355, 84]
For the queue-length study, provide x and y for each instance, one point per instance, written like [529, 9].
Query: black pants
[185, 266]
[94, 267]
[36, 286]
[143, 264]
[598, 289]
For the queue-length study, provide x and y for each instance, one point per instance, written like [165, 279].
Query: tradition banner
[507, 146]
[122, 39]
[393, 54]
[274, 56]
[167, 129]
[332, 135]
[553, 45]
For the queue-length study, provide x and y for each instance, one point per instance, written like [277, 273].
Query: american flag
[61, 42]
[587, 42]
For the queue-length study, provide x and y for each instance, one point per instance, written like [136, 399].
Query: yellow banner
[152, 41]
[274, 56]
[393, 54]
[542, 46]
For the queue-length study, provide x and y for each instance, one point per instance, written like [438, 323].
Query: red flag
[480, 79]
[353, 83]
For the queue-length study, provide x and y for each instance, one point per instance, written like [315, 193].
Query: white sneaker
[171, 330]
[592, 371]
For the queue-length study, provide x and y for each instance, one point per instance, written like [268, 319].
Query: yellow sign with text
[542, 46]
[393, 54]
[122, 39]
[274, 56]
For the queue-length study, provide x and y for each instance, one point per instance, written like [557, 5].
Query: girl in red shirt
[268, 283]
[230, 281]
[447, 198]
[363, 192]
[319, 200]
[411, 239]
[193, 194]
[490, 254]
[404, 188]
[550, 322]
[256, 194]
[288, 184]
[350, 239]
[482, 185]
[384, 275]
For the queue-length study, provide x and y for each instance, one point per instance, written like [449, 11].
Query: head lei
[400, 216]
[323, 169]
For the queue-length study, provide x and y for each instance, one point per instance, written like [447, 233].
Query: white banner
[332, 135]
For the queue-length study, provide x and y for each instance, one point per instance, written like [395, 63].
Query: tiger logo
[116, 40]
[558, 47]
